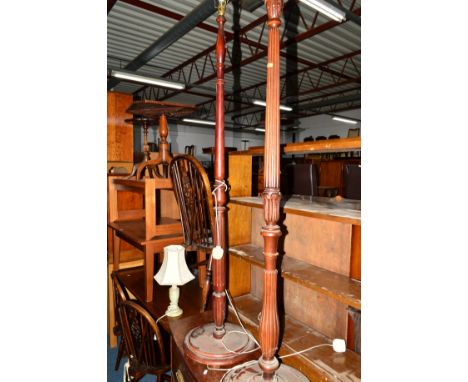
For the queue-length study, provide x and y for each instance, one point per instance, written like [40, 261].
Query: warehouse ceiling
[320, 58]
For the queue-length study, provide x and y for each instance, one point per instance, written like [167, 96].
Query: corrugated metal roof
[130, 30]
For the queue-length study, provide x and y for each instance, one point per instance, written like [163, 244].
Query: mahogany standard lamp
[268, 367]
[219, 343]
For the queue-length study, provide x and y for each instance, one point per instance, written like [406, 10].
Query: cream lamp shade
[174, 270]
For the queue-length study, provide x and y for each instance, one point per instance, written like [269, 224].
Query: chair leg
[119, 354]
[149, 271]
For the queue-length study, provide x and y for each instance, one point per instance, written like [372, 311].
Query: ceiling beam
[200, 13]
[285, 76]
[312, 31]
[333, 101]
[348, 13]
[167, 13]
[230, 36]
[110, 4]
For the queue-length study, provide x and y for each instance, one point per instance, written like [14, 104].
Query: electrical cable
[219, 184]
[238, 318]
[164, 315]
[303, 351]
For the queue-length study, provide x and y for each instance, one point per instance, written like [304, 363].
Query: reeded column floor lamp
[268, 367]
[219, 343]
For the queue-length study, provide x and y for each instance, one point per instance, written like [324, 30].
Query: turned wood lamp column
[271, 196]
[219, 266]
[268, 368]
[209, 343]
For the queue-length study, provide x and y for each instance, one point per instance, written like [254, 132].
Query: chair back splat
[120, 295]
[193, 194]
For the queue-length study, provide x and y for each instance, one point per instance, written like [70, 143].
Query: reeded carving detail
[274, 8]
[269, 324]
[271, 203]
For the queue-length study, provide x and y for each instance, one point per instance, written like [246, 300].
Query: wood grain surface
[119, 133]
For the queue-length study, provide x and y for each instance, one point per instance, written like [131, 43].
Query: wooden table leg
[149, 272]
[116, 250]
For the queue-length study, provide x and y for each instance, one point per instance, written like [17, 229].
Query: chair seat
[134, 231]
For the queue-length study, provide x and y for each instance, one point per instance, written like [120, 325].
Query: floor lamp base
[201, 346]
[253, 373]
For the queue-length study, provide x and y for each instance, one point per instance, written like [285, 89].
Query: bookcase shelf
[319, 261]
[320, 364]
[341, 210]
[334, 285]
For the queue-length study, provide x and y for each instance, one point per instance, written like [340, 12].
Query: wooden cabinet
[318, 276]
[119, 132]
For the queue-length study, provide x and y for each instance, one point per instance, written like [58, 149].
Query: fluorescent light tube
[263, 103]
[200, 121]
[326, 9]
[259, 129]
[146, 80]
[345, 120]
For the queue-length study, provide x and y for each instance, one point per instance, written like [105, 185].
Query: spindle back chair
[144, 343]
[193, 194]
[120, 295]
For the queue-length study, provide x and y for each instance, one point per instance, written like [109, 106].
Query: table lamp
[174, 272]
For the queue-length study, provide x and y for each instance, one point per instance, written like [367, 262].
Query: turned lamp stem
[206, 344]
[269, 323]
[219, 266]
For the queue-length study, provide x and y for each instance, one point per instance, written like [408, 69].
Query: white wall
[325, 125]
[184, 135]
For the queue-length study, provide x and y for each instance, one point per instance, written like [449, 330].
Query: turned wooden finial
[274, 10]
[164, 153]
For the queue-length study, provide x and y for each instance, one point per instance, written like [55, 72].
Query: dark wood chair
[193, 194]
[144, 343]
[190, 149]
[120, 295]
[155, 168]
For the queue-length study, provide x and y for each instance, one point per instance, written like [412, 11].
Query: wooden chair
[120, 295]
[190, 149]
[155, 168]
[147, 228]
[193, 194]
[144, 343]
